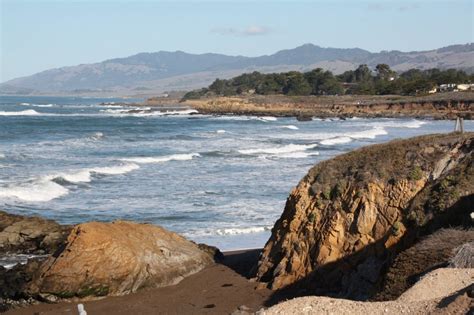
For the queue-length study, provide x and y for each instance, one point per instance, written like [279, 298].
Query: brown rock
[354, 212]
[118, 258]
[32, 235]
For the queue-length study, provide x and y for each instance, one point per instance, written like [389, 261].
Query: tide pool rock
[30, 235]
[117, 258]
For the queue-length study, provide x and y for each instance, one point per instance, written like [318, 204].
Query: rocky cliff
[439, 106]
[349, 216]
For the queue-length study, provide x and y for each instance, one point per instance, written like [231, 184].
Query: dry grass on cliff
[434, 251]
[392, 161]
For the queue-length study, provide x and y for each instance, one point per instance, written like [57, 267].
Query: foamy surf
[279, 150]
[228, 231]
[11, 260]
[162, 159]
[41, 190]
[267, 118]
[28, 112]
[292, 127]
[49, 187]
[337, 140]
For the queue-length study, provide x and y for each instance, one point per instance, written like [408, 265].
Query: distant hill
[151, 73]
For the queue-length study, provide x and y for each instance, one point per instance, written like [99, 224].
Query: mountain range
[154, 73]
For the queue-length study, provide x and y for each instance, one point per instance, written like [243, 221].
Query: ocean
[221, 180]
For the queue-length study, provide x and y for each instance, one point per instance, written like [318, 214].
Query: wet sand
[219, 289]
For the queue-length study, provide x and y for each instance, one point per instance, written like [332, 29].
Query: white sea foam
[228, 231]
[412, 124]
[297, 155]
[37, 105]
[279, 150]
[40, 190]
[115, 170]
[267, 118]
[96, 136]
[247, 230]
[162, 159]
[47, 188]
[147, 112]
[28, 112]
[367, 134]
[2, 156]
[11, 260]
[337, 140]
[292, 127]
[220, 131]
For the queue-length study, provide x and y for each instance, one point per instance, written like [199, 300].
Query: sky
[39, 35]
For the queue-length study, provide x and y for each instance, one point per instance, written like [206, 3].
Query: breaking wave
[290, 148]
[28, 112]
[162, 159]
[292, 127]
[49, 187]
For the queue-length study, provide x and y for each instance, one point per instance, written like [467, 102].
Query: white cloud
[252, 30]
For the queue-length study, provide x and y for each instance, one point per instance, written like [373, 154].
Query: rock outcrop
[30, 235]
[436, 250]
[117, 258]
[349, 216]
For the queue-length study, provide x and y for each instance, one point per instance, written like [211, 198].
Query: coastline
[221, 288]
[442, 106]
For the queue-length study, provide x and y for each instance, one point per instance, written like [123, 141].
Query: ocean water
[222, 180]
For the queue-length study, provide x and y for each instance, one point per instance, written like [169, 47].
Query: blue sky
[38, 35]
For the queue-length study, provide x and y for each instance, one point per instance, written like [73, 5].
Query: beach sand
[218, 289]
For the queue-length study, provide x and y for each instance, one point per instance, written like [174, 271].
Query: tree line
[361, 81]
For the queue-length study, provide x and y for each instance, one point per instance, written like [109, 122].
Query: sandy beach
[218, 289]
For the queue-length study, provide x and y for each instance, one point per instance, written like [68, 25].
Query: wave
[292, 127]
[367, 134]
[162, 159]
[49, 187]
[41, 190]
[248, 230]
[11, 260]
[96, 136]
[37, 105]
[279, 150]
[297, 155]
[348, 137]
[220, 131]
[228, 231]
[267, 118]
[147, 112]
[413, 124]
[28, 112]
[337, 140]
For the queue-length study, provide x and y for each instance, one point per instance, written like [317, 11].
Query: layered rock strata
[349, 216]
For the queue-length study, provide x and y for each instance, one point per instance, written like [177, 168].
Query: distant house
[465, 87]
[433, 90]
[449, 87]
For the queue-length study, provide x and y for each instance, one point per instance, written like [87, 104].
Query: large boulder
[30, 235]
[117, 258]
[349, 216]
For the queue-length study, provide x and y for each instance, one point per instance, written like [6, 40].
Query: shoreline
[221, 288]
[445, 106]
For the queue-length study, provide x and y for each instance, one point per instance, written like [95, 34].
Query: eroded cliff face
[349, 215]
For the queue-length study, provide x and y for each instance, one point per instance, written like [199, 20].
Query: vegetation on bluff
[361, 81]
